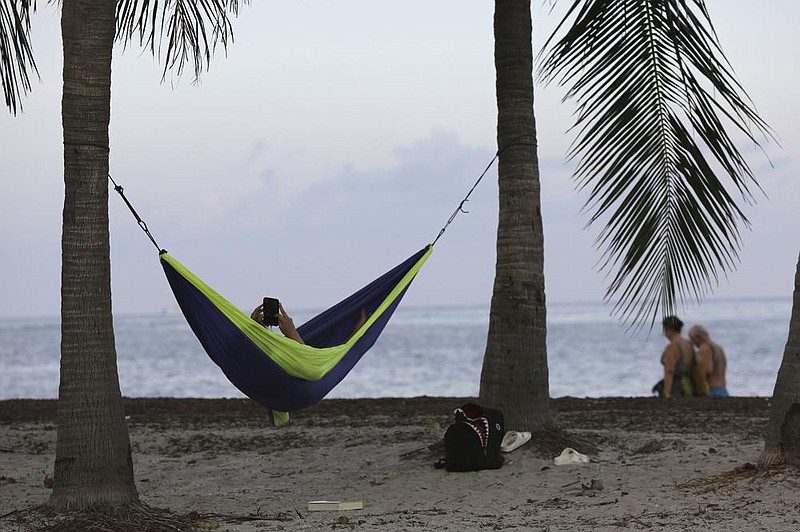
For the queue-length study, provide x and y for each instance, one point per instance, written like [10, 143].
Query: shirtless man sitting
[713, 357]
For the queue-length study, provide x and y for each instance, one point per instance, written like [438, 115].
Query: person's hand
[258, 314]
[286, 325]
[285, 322]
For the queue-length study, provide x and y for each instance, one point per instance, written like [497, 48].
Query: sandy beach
[686, 464]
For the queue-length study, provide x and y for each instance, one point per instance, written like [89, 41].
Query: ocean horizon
[434, 351]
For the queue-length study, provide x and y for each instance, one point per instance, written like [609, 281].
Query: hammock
[278, 372]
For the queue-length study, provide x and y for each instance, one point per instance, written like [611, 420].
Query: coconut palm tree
[655, 94]
[93, 458]
[514, 377]
[782, 441]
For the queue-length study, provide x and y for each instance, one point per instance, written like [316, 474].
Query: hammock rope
[460, 208]
[142, 224]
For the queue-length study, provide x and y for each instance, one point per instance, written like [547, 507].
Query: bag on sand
[472, 441]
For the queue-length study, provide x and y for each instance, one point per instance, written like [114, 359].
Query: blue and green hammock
[278, 372]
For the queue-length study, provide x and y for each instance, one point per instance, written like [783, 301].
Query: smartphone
[270, 311]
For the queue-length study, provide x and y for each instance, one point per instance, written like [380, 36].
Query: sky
[333, 140]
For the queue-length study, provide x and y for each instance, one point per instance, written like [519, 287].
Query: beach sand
[681, 464]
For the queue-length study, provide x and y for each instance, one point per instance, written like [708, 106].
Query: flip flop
[570, 456]
[513, 439]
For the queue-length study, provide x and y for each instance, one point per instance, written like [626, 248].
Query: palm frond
[654, 96]
[178, 32]
[16, 54]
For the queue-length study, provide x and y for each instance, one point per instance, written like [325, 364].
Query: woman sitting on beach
[677, 359]
[713, 359]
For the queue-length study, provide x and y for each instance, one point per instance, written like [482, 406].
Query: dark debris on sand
[730, 415]
[719, 415]
[591, 412]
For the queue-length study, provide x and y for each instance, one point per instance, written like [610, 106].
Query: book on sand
[317, 506]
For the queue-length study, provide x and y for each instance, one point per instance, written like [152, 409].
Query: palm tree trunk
[93, 459]
[514, 377]
[783, 430]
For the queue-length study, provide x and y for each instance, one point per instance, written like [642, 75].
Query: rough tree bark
[93, 466]
[514, 377]
[782, 442]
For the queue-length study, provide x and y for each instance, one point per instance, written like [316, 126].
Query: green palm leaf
[654, 95]
[16, 55]
[178, 32]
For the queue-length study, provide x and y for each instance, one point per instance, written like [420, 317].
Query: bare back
[684, 354]
[716, 374]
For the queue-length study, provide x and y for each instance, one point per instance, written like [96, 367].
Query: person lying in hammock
[286, 324]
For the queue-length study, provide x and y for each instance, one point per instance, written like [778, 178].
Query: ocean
[423, 351]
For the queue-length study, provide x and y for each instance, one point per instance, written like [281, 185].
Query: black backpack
[472, 442]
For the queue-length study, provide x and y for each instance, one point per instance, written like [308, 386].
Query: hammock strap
[142, 224]
[460, 207]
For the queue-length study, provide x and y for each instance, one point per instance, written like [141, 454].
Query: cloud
[305, 165]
